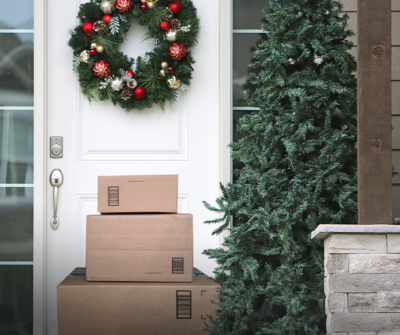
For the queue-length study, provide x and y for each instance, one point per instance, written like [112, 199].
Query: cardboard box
[151, 248]
[94, 308]
[138, 194]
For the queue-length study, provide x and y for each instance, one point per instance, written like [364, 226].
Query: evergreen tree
[298, 170]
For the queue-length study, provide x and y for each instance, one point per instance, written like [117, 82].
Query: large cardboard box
[111, 308]
[138, 194]
[152, 247]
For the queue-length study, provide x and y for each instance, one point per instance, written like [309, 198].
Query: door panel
[100, 139]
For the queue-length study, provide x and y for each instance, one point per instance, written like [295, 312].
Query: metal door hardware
[56, 147]
[56, 180]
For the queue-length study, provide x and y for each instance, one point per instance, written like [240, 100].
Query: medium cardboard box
[138, 194]
[111, 308]
[152, 247]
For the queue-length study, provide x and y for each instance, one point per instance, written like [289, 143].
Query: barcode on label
[183, 304]
[177, 265]
[113, 196]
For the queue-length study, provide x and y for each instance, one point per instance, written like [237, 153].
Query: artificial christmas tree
[297, 160]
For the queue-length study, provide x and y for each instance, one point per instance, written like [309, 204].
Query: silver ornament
[132, 83]
[107, 7]
[117, 83]
[171, 35]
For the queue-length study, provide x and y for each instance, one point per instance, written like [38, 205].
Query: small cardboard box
[138, 194]
[106, 308]
[150, 248]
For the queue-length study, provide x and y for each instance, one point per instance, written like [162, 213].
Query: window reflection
[16, 296]
[16, 147]
[243, 47]
[16, 70]
[248, 14]
[19, 14]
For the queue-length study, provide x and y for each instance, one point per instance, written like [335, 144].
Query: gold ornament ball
[164, 65]
[84, 56]
[100, 49]
[151, 5]
[144, 1]
[162, 73]
[173, 83]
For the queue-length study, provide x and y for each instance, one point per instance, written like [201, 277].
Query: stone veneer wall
[362, 284]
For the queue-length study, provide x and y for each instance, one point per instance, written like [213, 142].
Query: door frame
[225, 95]
[40, 178]
[41, 147]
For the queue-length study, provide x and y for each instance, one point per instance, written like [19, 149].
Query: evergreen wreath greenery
[147, 67]
[296, 168]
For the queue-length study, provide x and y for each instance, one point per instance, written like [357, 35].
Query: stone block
[365, 283]
[338, 263]
[388, 302]
[327, 241]
[337, 302]
[329, 323]
[366, 322]
[393, 243]
[374, 263]
[362, 303]
[327, 285]
[357, 244]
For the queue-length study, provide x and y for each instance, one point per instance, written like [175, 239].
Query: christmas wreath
[105, 73]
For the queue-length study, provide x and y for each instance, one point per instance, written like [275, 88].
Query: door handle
[56, 180]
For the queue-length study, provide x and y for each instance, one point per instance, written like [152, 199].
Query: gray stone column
[362, 278]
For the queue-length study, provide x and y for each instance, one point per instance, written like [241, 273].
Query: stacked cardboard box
[139, 276]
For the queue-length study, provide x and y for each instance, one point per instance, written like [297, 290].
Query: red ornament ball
[165, 25]
[177, 51]
[87, 28]
[139, 93]
[130, 73]
[101, 69]
[171, 69]
[123, 6]
[176, 7]
[92, 52]
[107, 19]
[143, 7]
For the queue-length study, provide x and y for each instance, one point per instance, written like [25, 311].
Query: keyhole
[56, 180]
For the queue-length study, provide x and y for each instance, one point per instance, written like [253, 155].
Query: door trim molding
[40, 180]
[225, 95]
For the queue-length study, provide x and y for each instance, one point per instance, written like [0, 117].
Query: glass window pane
[16, 70]
[16, 147]
[19, 14]
[16, 224]
[16, 299]
[243, 48]
[248, 14]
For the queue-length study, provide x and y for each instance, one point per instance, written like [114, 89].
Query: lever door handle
[56, 180]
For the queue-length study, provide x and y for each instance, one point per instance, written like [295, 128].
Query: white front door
[100, 139]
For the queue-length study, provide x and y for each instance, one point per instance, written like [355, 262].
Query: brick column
[362, 278]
